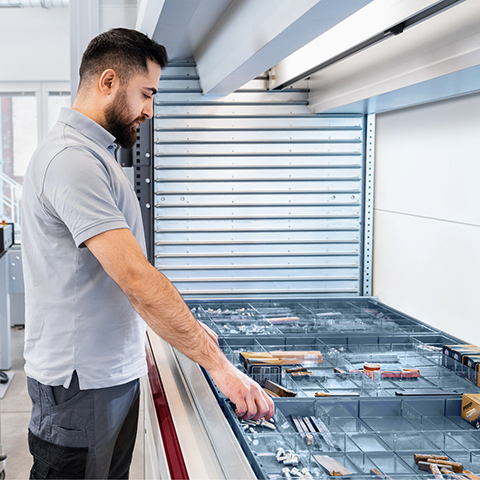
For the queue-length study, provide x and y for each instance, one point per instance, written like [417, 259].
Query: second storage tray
[362, 435]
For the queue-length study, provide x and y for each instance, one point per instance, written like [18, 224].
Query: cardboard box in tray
[457, 352]
[471, 408]
[473, 364]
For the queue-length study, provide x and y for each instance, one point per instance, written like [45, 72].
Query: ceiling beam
[437, 48]
[254, 35]
[367, 23]
[148, 15]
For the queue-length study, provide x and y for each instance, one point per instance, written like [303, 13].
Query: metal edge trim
[228, 451]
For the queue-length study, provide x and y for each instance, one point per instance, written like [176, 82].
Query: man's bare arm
[162, 307]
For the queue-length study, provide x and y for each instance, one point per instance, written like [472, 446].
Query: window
[19, 133]
[27, 113]
[57, 100]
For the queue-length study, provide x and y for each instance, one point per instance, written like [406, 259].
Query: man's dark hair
[123, 50]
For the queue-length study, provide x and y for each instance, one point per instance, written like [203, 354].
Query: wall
[427, 215]
[34, 44]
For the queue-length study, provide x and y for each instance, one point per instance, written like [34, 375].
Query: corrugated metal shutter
[254, 195]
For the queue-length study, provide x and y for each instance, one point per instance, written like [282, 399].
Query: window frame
[41, 90]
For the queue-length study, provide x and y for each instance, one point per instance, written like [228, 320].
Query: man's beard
[118, 124]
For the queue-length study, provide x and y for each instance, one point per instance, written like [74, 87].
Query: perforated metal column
[254, 195]
[140, 158]
[368, 209]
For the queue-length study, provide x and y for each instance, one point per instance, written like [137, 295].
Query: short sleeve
[77, 191]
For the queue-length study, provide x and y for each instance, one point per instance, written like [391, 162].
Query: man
[88, 283]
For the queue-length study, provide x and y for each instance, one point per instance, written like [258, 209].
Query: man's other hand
[251, 401]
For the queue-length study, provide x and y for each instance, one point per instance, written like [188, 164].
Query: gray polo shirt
[77, 318]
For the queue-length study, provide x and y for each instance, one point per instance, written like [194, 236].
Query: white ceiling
[184, 24]
[234, 41]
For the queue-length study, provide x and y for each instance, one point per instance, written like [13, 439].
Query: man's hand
[251, 401]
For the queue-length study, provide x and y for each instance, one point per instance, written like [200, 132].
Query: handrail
[9, 180]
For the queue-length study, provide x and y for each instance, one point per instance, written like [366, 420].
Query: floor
[15, 415]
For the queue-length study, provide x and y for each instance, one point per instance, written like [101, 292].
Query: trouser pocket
[56, 461]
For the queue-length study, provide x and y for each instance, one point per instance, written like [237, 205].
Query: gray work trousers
[77, 433]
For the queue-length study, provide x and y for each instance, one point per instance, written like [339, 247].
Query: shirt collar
[88, 127]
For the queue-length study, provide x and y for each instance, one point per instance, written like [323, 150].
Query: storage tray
[387, 421]
[305, 317]
[363, 434]
[349, 353]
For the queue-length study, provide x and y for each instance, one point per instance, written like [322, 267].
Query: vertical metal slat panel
[254, 195]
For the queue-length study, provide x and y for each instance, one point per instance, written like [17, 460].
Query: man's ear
[108, 81]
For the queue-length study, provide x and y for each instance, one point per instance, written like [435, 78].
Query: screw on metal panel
[147, 180]
[147, 155]
[147, 205]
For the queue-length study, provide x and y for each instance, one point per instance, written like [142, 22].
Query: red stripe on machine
[173, 452]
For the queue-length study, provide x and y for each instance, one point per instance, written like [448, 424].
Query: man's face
[132, 105]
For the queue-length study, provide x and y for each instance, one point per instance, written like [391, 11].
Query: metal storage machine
[261, 215]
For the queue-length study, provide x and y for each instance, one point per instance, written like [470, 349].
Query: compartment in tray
[450, 382]
[390, 463]
[344, 412]
[366, 349]
[343, 306]
[411, 326]
[234, 318]
[378, 414]
[407, 441]
[454, 440]
[408, 457]
[308, 442]
[280, 308]
[264, 448]
[433, 342]
[436, 423]
[470, 459]
[242, 343]
[435, 371]
[408, 383]
[349, 425]
[428, 414]
[254, 327]
[356, 463]
[389, 424]
[369, 442]
[225, 307]
[330, 381]
[294, 328]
